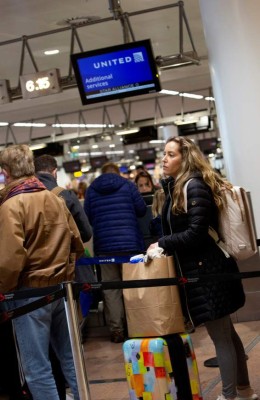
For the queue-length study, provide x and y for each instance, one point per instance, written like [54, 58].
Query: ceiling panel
[29, 17]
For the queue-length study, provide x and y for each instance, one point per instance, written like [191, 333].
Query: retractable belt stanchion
[65, 290]
[77, 351]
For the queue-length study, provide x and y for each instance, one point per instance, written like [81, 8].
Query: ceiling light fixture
[157, 141]
[30, 124]
[51, 52]
[170, 92]
[184, 122]
[37, 146]
[127, 131]
[4, 123]
[114, 152]
[82, 126]
[192, 95]
[96, 153]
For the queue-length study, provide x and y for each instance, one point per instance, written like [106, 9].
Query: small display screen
[208, 146]
[97, 162]
[115, 72]
[72, 166]
[146, 154]
[145, 134]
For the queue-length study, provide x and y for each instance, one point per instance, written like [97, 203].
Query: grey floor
[105, 365]
[106, 373]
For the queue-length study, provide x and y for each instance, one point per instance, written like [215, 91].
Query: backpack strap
[218, 241]
[57, 190]
[211, 231]
[185, 201]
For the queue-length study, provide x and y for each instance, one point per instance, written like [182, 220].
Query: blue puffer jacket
[112, 205]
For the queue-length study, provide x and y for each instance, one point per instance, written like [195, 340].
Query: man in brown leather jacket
[37, 249]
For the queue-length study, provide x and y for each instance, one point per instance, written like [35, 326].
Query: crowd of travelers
[47, 227]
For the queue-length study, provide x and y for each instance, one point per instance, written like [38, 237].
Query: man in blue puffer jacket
[113, 204]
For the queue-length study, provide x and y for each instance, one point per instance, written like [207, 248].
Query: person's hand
[152, 246]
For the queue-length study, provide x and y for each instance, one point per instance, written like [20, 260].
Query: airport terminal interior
[43, 104]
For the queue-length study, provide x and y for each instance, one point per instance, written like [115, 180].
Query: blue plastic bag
[85, 300]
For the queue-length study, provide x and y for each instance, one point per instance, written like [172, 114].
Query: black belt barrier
[56, 292]
[70, 292]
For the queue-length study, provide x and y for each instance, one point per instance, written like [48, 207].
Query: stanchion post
[77, 350]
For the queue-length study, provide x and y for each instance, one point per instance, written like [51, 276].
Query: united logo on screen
[138, 57]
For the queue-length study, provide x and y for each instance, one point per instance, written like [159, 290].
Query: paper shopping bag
[152, 311]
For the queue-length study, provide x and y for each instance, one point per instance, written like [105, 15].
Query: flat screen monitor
[115, 72]
[145, 134]
[146, 155]
[208, 146]
[71, 166]
[53, 149]
[204, 124]
[97, 162]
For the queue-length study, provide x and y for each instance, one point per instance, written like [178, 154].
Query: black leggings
[231, 355]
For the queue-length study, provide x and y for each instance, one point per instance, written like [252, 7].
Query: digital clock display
[40, 84]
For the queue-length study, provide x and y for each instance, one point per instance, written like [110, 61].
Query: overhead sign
[40, 83]
[116, 72]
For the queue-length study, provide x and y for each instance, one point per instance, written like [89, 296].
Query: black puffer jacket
[187, 236]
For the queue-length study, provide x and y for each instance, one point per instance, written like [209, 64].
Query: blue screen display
[118, 71]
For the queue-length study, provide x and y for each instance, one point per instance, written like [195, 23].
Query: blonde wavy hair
[194, 161]
[18, 160]
[158, 201]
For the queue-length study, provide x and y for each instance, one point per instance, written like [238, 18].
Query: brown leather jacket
[39, 241]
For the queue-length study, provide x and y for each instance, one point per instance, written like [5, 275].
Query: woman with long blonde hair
[185, 235]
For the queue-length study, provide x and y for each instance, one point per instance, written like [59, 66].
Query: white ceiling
[29, 17]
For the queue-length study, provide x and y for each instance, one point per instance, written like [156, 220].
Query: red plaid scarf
[23, 185]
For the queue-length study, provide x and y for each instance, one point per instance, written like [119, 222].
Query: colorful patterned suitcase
[162, 368]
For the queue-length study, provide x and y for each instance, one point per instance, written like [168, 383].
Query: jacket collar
[166, 182]
[169, 182]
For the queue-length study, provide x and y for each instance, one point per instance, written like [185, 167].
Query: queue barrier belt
[103, 260]
[53, 293]
[70, 292]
